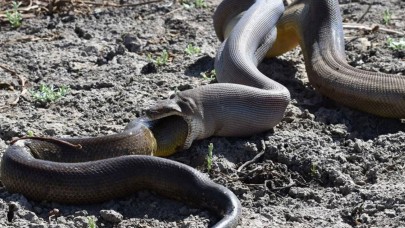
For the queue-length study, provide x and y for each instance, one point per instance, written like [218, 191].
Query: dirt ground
[324, 165]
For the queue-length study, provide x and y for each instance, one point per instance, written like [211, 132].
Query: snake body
[318, 25]
[89, 170]
[244, 103]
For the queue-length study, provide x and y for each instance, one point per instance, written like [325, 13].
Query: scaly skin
[244, 103]
[89, 170]
[318, 27]
[229, 109]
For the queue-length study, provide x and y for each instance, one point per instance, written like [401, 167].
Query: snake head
[172, 122]
[177, 104]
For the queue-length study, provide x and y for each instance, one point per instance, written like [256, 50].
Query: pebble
[358, 146]
[111, 216]
[42, 225]
[132, 43]
[390, 213]
[365, 218]
[28, 215]
[81, 221]
[81, 213]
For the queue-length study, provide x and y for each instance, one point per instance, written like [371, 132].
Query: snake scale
[245, 102]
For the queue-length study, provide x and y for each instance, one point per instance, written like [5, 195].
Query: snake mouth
[170, 133]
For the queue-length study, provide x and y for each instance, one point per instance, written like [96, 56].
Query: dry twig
[373, 28]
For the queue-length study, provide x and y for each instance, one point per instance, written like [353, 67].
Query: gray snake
[245, 102]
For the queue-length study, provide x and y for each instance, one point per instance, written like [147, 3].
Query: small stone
[132, 43]
[42, 225]
[28, 215]
[68, 18]
[307, 115]
[346, 189]
[390, 213]
[339, 132]
[54, 212]
[81, 221]
[365, 218]
[61, 220]
[81, 213]
[251, 147]
[81, 33]
[111, 216]
[149, 68]
[50, 132]
[358, 146]
[364, 44]
[293, 217]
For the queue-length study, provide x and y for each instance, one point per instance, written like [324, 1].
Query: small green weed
[387, 16]
[193, 4]
[13, 16]
[200, 4]
[314, 169]
[192, 50]
[92, 222]
[160, 60]
[47, 94]
[209, 156]
[210, 75]
[30, 133]
[396, 45]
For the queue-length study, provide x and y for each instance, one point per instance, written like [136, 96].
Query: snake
[243, 103]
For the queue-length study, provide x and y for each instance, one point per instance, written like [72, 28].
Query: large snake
[245, 102]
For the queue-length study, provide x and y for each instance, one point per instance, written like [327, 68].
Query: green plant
[92, 222]
[196, 4]
[200, 4]
[210, 75]
[13, 16]
[30, 133]
[387, 16]
[314, 169]
[396, 45]
[209, 156]
[192, 50]
[46, 94]
[160, 60]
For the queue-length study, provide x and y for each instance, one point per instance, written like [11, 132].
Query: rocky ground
[324, 165]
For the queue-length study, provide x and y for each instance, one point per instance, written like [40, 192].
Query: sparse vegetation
[314, 169]
[200, 3]
[387, 16]
[193, 4]
[47, 94]
[13, 16]
[210, 75]
[192, 50]
[209, 157]
[92, 222]
[396, 45]
[30, 133]
[160, 60]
